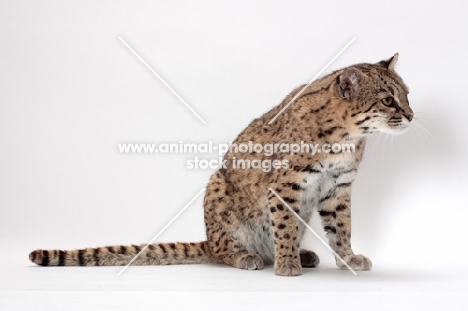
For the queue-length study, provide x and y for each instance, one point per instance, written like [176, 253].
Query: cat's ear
[349, 83]
[390, 63]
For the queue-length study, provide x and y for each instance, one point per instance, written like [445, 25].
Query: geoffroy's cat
[247, 225]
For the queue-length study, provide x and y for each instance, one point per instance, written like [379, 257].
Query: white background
[70, 91]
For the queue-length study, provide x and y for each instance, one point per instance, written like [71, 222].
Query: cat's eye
[389, 102]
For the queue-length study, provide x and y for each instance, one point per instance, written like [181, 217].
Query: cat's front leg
[335, 211]
[285, 231]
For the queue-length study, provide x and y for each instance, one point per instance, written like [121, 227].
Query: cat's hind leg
[243, 260]
[222, 220]
[309, 259]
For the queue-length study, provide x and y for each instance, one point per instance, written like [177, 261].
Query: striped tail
[154, 254]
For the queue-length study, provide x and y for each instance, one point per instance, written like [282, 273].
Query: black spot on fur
[346, 184]
[341, 207]
[295, 186]
[331, 130]
[362, 121]
[96, 253]
[289, 200]
[310, 169]
[33, 256]
[137, 248]
[325, 213]
[61, 261]
[45, 258]
[186, 250]
[81, 259]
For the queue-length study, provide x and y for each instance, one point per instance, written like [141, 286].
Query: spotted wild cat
[247, 226]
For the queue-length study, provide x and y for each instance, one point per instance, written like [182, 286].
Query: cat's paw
[309, 259]
[288, 267]
[250, 262]
[357, 262]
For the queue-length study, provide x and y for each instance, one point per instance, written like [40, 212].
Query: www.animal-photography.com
[233, 154]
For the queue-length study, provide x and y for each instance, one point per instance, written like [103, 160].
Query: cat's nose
[409, 116]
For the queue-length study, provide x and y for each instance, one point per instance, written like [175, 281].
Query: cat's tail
[153, 254]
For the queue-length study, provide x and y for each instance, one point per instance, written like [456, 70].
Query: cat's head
[376, 96]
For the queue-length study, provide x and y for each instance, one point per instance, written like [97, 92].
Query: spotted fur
[247, 226]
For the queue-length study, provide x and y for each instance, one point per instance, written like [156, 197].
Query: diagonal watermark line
[162, 230]
[313, 79]
[312, 230]
[162, 80]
